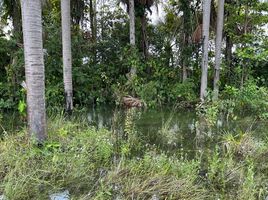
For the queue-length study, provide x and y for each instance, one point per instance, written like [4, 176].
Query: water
[60, 195]
[173, 130]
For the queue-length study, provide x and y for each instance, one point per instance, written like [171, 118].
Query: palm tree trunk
[34, 68]
[184, 58]
[95, 19]
[16, 21]
[205, 35]
[67, 53]
[187, 24]
[92, 16]
[132, 23]
[184, 72]
[218, 48]
[132, 30]
[228, 56]
[144, 37]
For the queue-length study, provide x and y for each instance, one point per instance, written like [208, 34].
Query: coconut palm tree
[218, 48]
[67, 53]
[132, 30]
[132, 22]
[140, 6]
[93, 26]
[205, 35]
[34, 68]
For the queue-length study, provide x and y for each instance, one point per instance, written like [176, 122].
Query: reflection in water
[181, 130]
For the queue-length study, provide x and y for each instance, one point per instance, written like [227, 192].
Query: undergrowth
[89, 164]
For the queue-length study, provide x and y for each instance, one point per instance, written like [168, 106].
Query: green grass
[91, 164]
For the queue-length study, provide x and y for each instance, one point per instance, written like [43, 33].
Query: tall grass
[80, 158]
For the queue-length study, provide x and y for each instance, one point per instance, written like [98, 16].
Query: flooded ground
[169, 135]
[173, 130]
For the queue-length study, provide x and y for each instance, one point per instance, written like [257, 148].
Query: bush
[184, 91]
[251, 98]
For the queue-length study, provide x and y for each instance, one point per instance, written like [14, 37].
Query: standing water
[171, 130]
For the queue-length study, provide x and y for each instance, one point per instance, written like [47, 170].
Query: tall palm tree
[93, 26]
[132, 22]
[34, 68]
[67, 53]
[141, 6]
[205, 35]
[146, 4]
[132, 30]
[218, 48]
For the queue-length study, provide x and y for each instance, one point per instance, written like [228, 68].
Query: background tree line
[110, 52]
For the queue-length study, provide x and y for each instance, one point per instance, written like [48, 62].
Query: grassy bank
[94, 164]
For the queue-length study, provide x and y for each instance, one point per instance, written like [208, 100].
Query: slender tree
[218, 48]
[141, 6]
[67, 53]
[132, 22]
[93, 26]
[132, 29]
[205, 35]
[186, 23]
[34, 68]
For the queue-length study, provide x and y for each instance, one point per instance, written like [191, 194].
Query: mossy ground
[92, 164]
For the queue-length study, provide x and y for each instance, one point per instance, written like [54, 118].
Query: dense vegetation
[101, 65]
[160, 68]
[94, 164]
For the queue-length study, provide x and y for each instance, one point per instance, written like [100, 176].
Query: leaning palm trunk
[218, 49]
[34, 68]
[205, 35]
[67, 53]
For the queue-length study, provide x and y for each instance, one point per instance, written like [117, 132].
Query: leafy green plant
[184, 91]
[22, 108]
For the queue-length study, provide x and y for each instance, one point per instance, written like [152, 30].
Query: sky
[157, 16]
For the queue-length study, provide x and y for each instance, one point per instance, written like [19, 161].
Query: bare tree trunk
[91, 18]
[228, 56]
[244, 71]
[184, 59]
[187, 30]
[34, 68]
[132, 30]
[67, 53]
[95, 19]
[93, 27]
[16, 21]
[144, 37]
[205, 35]
[184, 72]
[132, 22]
[218, 48]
